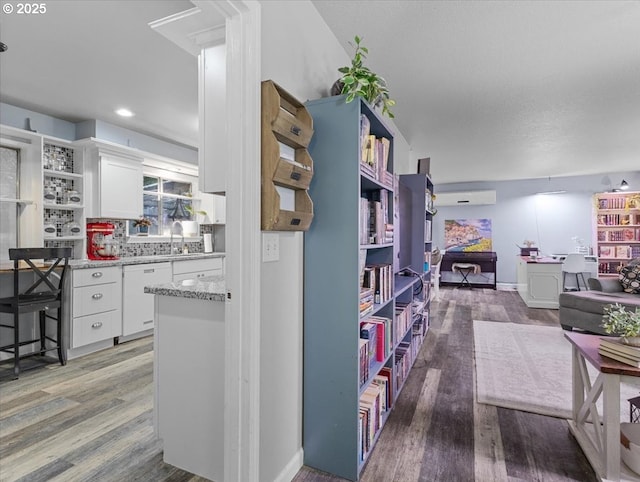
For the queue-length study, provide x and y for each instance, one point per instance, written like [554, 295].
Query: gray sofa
[584, 309]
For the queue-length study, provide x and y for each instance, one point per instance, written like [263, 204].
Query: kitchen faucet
[176, 228]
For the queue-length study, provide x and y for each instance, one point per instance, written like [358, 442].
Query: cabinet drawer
[94, 276]
[88, 300]
[198, 274]
[197, 265]
[89, 329]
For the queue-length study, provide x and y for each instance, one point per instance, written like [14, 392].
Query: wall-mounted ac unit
[469, 198]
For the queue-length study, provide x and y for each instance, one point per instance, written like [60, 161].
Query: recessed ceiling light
[124, 112]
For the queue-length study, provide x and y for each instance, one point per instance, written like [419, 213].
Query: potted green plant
[193, 212]
[359, 80]
[617, 320]
[142, 225]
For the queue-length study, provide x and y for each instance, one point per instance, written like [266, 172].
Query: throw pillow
[630, 279]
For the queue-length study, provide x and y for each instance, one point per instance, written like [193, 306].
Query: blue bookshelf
[332, 275]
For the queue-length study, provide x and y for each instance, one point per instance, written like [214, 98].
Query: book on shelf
[388, 374]
[363, 353]
[613, 343]
[374, 155]
[629, 234]
[623, 252]
[366, 301]
[383, 336]
[383, 386]
[402, 320]
[369, 331]
[365, 128]
[374, 217]
[371, 413]
[606, 251]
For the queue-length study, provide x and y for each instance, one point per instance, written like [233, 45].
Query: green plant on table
[358, 80]
[620, 321]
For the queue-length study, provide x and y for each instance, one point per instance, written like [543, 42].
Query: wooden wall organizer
[286, 120]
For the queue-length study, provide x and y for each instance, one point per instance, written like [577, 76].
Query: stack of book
[370, 419]
[375, 227]
[402, 320]
[615, 349]
[374, 154]
[379, 277]
[366, 301]
[369, 331]
[383, 350]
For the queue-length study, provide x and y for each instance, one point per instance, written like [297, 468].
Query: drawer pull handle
[97, 274]
[149, 270]
[97, 324]
[97, 296]
[147, 322]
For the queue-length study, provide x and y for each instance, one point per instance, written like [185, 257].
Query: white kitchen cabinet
[120, 187]
[197, 268]
[96, 301]
[212, 108]
[137, 306]
[219, 209]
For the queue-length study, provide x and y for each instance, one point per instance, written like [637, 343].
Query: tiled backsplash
[155, 248]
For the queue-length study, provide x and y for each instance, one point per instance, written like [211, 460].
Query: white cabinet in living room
[137, 306]
[96, 305]
[120, 187]
[197, 268]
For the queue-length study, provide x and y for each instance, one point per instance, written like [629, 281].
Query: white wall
[519, 213]
[301, 55]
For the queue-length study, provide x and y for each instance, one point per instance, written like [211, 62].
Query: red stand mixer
[100, 242]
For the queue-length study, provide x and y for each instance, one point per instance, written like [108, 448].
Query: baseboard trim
[506, 286]
[291, 469]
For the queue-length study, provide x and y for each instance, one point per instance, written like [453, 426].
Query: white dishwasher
[137, 306]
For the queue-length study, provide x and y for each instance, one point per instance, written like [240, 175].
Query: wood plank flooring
[437, 432]
[91, 420]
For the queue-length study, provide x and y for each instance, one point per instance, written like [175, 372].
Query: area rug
[528, 368]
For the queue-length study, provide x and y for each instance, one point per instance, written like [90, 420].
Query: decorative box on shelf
[287, 168]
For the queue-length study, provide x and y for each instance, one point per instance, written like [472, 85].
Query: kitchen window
[9, 189]
[164, 201]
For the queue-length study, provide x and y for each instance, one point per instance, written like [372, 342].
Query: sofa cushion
[630, 279]
[594, 301]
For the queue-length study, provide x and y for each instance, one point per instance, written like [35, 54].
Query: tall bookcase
[617, 230]
[415, 193]
[341, 388]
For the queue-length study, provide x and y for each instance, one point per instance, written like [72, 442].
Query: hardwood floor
[91, 420]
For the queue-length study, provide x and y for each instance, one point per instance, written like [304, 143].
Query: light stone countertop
[211, 288]
[130, 260]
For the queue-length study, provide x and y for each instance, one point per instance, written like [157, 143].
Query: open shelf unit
[343, 252]
[617, 230]
[63, 195]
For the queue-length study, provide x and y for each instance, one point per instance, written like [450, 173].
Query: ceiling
[488, 90]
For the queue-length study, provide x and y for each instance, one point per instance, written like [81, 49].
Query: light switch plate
[270, 247]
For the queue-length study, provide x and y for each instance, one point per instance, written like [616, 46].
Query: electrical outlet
[270, 247]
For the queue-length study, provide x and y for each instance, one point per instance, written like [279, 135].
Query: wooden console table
[486, 260]
[600, 442]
